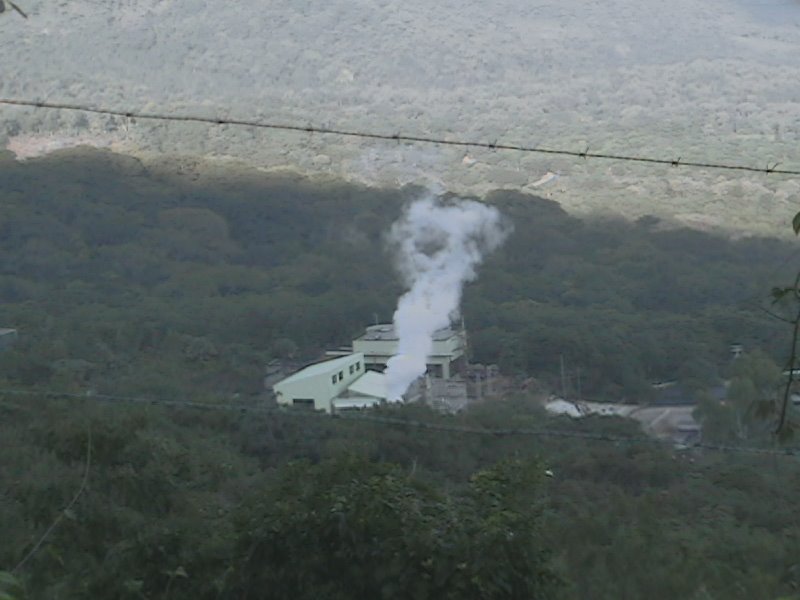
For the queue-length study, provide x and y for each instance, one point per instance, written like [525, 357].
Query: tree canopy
[129, 279]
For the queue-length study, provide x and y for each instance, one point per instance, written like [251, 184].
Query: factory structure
[331, 385]
[448, 357]
[353, 377]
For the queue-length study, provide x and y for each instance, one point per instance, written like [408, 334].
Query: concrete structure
[339, 384]
[8, 337]
[340, 404]
[379, 343]
[369, 385]
[353, 377]
[317, 385]
[559, 406]
[368, 390]
[482, 381]
[563, 407]
[446, 395]
[673, 423]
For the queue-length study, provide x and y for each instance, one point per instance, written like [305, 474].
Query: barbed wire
[12, 5]
[396, 137]
[365, 417]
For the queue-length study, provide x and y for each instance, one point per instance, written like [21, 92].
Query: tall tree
[352, 529]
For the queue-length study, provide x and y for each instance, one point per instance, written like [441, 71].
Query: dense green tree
[353, 528]
[213, 504]
[106, 259]
[748, 410]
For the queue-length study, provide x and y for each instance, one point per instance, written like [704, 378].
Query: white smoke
[439, 245]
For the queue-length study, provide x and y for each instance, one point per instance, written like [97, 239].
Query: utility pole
[563, 379]
[579, 382]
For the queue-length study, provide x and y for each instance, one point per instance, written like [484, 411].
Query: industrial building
[448, 357]
[332, 384]
[353, 377]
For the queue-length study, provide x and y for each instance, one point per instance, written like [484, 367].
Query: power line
[397, 137]
[410, 423]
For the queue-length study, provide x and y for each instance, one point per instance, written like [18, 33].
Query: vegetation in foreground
[194, 504]
[127, 281]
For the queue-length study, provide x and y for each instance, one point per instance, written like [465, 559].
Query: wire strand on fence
[769, 169]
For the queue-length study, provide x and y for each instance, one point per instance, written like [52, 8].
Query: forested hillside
[126, 279]
[194, 504]
[196, 199]
[132, 281]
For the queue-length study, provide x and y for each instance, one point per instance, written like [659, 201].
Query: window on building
[341, 375]
[352, 368]
[435, 371]
[358, 366]
[333, 379]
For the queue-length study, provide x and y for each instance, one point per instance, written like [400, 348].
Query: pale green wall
[319, 386]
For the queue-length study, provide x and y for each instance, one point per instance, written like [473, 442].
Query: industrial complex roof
[321, 368]
[386, 332]
[369, 384]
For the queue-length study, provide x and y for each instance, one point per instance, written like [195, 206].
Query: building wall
[445, 352]
[320, 384]
[452, 347]
[370, 348]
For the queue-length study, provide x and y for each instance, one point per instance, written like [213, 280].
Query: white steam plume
[440, 244]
